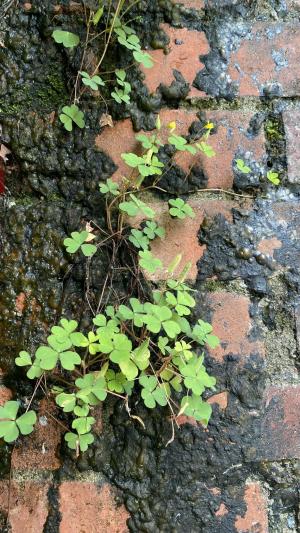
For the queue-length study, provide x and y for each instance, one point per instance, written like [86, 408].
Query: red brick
[231, 323]
[87, 508]
[5, 394]
[182, 235]
[281, 424]
[230, 137]
[221, 399]
[191, 4]
[39, 451]
[291, 121]
[253, 64]
[255, 519]
[28, 508]
[222, 511]
[268, 246]
[183, 57]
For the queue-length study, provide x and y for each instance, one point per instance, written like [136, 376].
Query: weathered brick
[184, 51]
[221, 399]
[255, 519]
[182, 235]
[268, 246]
[231, 323]
[39, 451]
[268, 55]
[191, 4]
[85, 507]
[291, 121]
[28, 509]
[230, 139]
[280, 426]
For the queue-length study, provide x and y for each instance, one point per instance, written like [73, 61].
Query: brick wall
[245, 251]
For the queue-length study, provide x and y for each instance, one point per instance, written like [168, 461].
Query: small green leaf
[195, 407]
[144, 58]
[180, 209]
[97, 16]
[109, 187]
[242, 167]
[88, 249]
[24, 359]
[83, 424]
[79, 441]
[66, 401]
[68, 39]
[72, 114]
[149, 262]
[273, 177]
[26, 422]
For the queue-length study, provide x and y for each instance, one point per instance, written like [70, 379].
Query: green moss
[273, 129]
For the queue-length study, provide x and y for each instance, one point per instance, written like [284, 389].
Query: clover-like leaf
[91, 384]
[144, 58]
[67, 38]
[72, 114]
[74, 242]
[109, 187]
[273, 177]
[83, 424]
[242, 167]
[11, 426]
[180, 209]
[76, 442]
[138, 238]
[66, 401]
[148, 262]
[195, 407]
[94, 82]
[24, 359]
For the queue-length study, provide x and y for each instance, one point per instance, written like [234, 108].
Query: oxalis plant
[146, 341]
[105, 26]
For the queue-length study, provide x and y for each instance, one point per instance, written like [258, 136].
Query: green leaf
[206, 149]
[66, 401]
[83, 424]
[149, 262]
[74, 242]
[34, 371]
[26, 422]
[72, 114]
[180, 209]
[24, 359]
[47, 357]
[79, 441]
[138, 238]
[194, 406]
[93, 82]
[144, 58]
[273, 177]
[92, 383]
[97, 16]
[109, 187]
[242, 167]
[88, 249]
[69, 360]
[171, 328]
[68, 39]
[81, 410]
[130, 208]
[132, 160]
[152, 230]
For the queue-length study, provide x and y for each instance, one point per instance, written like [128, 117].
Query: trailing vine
[148, 341]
